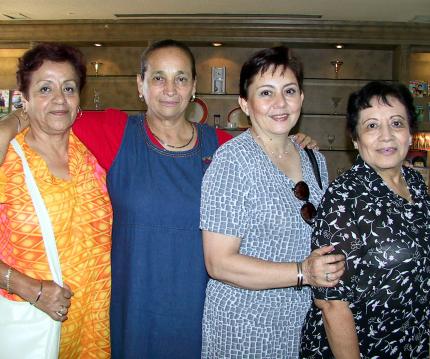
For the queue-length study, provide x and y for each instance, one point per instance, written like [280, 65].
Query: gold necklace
[168, 145]
[277, 155]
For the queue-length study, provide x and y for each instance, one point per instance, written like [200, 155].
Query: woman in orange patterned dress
[72, 185]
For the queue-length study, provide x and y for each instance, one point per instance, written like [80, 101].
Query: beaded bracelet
[7, 277]
[38, 294]
[299, 285]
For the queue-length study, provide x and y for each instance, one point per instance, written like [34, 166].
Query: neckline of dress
[158, 147]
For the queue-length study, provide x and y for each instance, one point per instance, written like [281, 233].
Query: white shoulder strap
[43, 216]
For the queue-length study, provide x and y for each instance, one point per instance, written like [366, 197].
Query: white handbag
[25, 331]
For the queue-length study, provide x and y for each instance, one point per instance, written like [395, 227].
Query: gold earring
[79, 112]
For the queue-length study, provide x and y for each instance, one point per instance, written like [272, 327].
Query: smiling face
[53, 98]
[383, 135]
[168, 83]
[274, 102]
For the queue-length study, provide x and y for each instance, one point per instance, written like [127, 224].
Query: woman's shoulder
[416, 182]
[347, 183]
[238, 147]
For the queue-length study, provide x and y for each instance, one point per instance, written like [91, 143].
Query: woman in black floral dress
[378, 215]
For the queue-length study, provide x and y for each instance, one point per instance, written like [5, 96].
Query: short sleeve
[101, 132]
[336, 225]
[223, 201]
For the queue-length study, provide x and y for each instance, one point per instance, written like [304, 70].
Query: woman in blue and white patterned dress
[378, 215]
[256, 240]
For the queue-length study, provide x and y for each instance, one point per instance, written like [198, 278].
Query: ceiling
[351, 10]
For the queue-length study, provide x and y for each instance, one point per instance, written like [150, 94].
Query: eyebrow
[51, 81]
[180, 72]
[286, 85]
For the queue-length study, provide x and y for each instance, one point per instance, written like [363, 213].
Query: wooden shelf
[101, 77]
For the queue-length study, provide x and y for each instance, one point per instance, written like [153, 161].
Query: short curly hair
[34, 58]
[360, 100]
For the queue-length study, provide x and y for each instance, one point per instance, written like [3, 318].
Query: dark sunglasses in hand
[308, 211]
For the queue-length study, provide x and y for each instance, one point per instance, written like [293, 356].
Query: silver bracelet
[299, 285]
[7, 277]
[38, 294]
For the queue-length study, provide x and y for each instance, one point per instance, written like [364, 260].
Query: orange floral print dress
[81, 216]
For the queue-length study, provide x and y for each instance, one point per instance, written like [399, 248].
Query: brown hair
[163, 44]
[34, 58]
[262, 60]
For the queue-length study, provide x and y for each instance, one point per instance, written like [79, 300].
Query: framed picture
[218, 80]
[4, 101]
[418, 88]
[15, 100]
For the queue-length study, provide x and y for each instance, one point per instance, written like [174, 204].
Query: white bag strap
[43, 216]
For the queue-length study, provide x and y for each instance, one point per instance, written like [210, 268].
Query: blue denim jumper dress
[158, 272]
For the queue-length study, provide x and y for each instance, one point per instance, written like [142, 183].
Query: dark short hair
[261, 61]
[34, 58]
[360, 100]
[163, 44]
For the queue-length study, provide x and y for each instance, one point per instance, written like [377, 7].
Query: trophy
[336, 64]
[97, 65]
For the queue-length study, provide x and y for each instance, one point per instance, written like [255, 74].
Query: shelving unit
[116, 86]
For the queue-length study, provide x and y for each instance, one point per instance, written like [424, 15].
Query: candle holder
[97, 65]
[336, 64]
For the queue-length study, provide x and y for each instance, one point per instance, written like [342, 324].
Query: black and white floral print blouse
[386, 242]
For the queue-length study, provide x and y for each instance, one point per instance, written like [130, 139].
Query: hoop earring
[193, 98]
[79, 113]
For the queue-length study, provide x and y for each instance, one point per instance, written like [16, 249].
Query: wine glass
[330, 139]
[335, 102]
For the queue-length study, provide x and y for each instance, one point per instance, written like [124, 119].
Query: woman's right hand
[322, 269]
[55, 300]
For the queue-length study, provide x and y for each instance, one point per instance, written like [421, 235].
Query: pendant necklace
[168, 145]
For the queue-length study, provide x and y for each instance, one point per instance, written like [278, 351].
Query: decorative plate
[237, 119]
[197, 111]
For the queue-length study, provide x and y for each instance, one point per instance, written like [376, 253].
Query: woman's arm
[52, 298]
[10, 125]
[339, 326]
[225, 263]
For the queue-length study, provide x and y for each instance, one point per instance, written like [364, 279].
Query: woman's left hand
[304, 140]
[322, 269]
